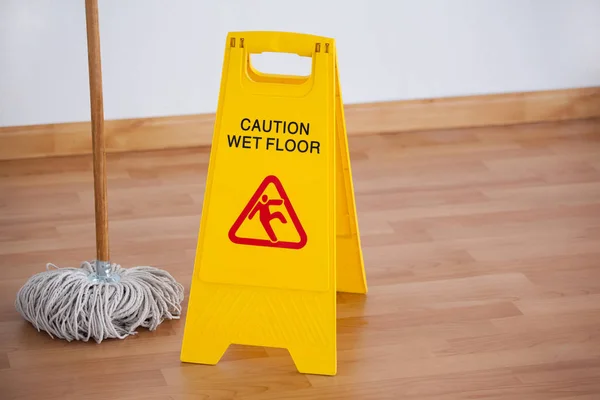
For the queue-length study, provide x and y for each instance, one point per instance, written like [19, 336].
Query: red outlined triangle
[248, 209]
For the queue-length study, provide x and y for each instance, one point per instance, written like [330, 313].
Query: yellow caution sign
[279, 233]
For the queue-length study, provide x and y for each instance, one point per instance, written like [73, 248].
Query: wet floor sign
[279, 233]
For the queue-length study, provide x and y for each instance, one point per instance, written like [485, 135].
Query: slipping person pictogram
[261, 204]
[263, 207]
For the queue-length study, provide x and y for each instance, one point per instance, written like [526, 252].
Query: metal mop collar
[100, 300]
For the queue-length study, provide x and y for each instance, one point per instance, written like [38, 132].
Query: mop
[100, 299]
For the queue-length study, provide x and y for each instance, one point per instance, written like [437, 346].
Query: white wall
[164, 57]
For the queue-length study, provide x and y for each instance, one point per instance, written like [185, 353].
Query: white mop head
[68, 305]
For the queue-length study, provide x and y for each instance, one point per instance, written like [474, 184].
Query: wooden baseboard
[385, 117]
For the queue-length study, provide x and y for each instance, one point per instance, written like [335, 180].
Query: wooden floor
[482, 252]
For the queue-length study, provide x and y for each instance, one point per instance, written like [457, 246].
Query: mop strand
[68, 305]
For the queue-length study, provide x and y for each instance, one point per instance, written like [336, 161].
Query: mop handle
[97, 111]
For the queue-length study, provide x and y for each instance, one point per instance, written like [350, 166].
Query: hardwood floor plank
[4, 364]
[77, 383]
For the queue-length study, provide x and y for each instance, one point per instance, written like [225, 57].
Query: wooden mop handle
[97, 109]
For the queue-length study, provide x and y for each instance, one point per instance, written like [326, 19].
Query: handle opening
[279, 67]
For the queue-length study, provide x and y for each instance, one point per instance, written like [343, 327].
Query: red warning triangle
[259, 207]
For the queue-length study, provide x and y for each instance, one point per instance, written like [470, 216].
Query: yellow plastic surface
[279, 233]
